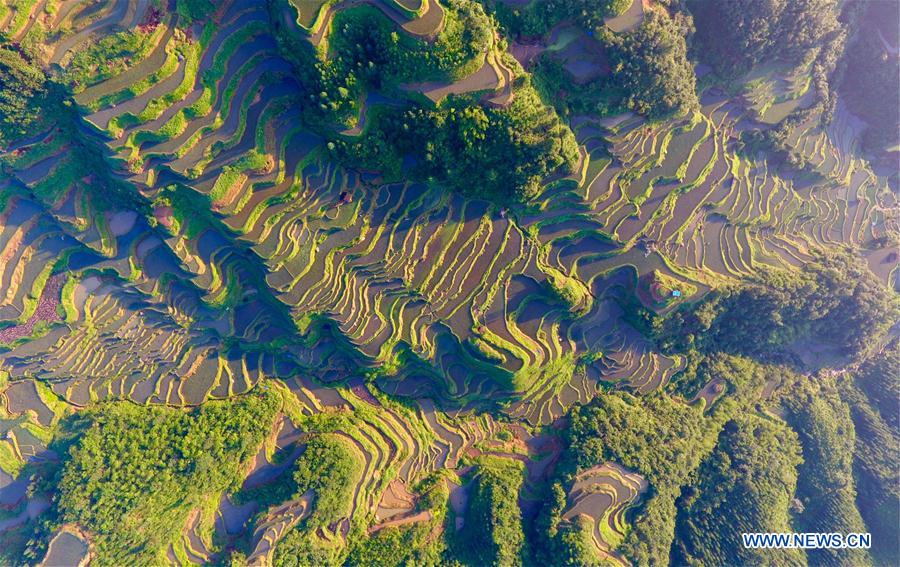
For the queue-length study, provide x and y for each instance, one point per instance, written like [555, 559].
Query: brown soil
[397, 500]
[526, 53]
[484, 79]
[46, 311]
[631, 19]
[710, 392]
[459, 501]
[163, 215]
[420, 517]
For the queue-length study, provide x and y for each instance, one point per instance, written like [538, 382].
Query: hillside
[349, 280]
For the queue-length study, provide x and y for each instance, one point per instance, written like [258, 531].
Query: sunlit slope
[488, 299]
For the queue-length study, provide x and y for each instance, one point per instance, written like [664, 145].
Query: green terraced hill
[418, 264]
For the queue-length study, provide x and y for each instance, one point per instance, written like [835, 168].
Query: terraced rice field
[67, 548]
[602, 495]
[241, 260]
[401, 268]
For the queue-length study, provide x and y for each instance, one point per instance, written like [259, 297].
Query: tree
[658, 437]
[492, 533]
[650, 66]
[745, 485]
[835, 298]
[826, 486]
[588, 13]
[21, 90]
[329, 468]
[871, 80]
[872, 397]
[194, 10]
[496, 153]
[734, 35]
[134, 472]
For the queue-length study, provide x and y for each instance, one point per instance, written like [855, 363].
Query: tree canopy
[134, 472]
[734, 35]
[492, 533]
[328, 469]
[21, 89]
[651, 68]
[872, 77]
[836, 299]
[499, 153]
[745, 485]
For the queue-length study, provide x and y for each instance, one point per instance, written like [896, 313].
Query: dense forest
[133, 474]
[22, 90]
[872, 77]
[734, 36]
[746, 484]
[492, 533]
[327, 469]
[510, 150]
[835, 300]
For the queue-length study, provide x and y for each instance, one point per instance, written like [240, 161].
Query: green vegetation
[396, 546]
[366, 52]
[135, 472]
[834, 299]
[826, 487]
[302, 548]
[650, 66]
[576, 544]
[871, 77]
[734, 36]
[745, 485]
[876, 466]
[567, 543]
[650, 73]
[569, 291]
[492, 533]
[662, 290]
[538, 17]
[509, 151]
[876, 379]
[588, 13]
[396, 284]
[107, 57]
[329, 468]
[194, 10]
[413, 544]
[658, 438]
[233, 173]
[22, 93]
